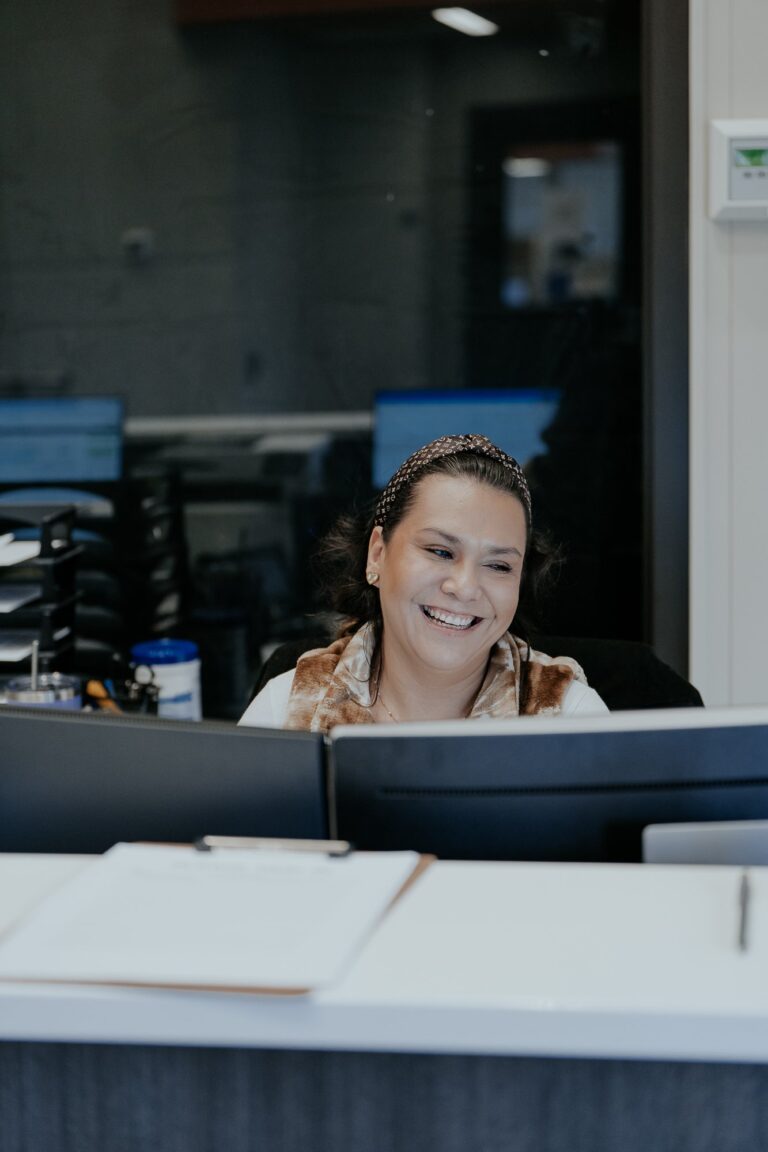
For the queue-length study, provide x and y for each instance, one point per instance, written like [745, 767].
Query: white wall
[729, 374]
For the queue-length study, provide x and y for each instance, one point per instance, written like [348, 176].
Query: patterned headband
[408, 472]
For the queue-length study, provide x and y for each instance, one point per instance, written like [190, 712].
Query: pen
[744, 894]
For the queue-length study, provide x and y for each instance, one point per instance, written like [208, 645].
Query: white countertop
[516, 959]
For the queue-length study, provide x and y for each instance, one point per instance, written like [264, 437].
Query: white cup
[175, 670]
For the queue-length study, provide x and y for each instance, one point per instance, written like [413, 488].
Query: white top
[270, 707]
[637, 961]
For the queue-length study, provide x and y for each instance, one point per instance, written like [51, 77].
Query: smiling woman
[434, 590]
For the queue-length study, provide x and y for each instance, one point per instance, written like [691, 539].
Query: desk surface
[516, 959]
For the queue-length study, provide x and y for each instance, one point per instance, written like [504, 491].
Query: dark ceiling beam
[222, 11]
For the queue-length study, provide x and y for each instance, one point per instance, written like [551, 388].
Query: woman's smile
[445, 619]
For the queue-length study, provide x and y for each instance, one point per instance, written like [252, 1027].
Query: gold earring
[371, 576]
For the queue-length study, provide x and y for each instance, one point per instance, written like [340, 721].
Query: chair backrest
[627, 674]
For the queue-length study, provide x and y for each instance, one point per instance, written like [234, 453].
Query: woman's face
[449, 575]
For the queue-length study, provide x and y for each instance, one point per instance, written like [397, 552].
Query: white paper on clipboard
[172, 916]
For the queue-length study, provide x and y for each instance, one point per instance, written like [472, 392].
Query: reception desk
[498, 1006]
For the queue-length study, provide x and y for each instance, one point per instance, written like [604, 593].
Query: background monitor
[579, 789]
[60, 439]
[76, 782]
[512, 418]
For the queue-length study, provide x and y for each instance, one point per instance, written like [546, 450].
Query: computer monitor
[535, 788]
[513, 418]
[58, 439]
[78, 782]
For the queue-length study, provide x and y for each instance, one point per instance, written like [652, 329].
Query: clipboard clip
[269, 843]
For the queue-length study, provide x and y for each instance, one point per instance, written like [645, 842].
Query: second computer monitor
[578, 789]
[513, 418]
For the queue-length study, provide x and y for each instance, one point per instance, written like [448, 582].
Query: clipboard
[245, 917]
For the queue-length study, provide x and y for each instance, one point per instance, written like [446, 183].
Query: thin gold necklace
[395, 720]
[391, 715]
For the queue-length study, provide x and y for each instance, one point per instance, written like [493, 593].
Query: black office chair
[627, 674]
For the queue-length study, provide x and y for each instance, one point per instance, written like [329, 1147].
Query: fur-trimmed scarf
[332, 685]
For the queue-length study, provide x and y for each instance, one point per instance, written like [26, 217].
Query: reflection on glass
[561, 205]
[513, 418]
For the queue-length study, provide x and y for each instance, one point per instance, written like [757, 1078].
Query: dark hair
[343, 553]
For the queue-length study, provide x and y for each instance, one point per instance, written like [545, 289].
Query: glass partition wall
[282, 220]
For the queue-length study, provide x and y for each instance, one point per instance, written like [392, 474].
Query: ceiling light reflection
[462, 20]
[525, 167]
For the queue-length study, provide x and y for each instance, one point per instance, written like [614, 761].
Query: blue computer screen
[512, 418]
[60, 438]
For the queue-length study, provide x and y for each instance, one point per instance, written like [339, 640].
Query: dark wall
[304, 190]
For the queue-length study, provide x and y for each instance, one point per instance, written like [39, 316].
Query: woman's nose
[462, 582]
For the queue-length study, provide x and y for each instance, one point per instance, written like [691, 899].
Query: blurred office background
[255, 222]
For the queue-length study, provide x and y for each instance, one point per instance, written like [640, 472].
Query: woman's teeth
[449, 618]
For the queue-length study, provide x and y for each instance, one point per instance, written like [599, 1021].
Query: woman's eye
[499, 567]
[441, 553]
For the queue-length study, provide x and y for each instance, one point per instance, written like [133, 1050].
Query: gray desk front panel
[93, 1098]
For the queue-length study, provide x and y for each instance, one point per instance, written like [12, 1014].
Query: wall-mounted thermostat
[738, 170]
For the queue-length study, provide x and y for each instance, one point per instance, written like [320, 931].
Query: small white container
[175, 668]
[48, 690]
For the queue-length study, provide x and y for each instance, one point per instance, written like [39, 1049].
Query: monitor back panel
[79, 783]
[581, 796]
